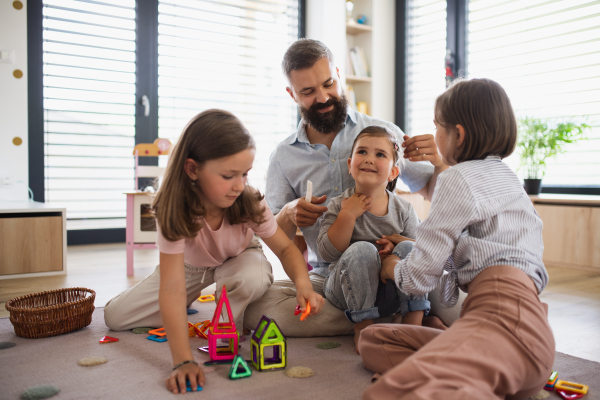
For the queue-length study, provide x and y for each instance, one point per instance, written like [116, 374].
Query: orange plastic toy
[306, 312]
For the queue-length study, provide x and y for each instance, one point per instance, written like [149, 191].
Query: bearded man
[318, 151]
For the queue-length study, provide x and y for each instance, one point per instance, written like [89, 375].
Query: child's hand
[395, 238]
[386, 248]
[387, 268]
[356, 204]
[308, 294]
[422, 148]
[176, 381]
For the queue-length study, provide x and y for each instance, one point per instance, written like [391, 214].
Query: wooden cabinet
[32, 240]
[571, 229]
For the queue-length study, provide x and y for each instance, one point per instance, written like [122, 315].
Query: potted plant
[540, 139]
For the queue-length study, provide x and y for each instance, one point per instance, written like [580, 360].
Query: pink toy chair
[140, 231]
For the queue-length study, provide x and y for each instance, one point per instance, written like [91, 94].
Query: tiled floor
[573, 295]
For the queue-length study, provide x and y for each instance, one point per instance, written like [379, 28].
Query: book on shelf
[351, 97]
[358, 62]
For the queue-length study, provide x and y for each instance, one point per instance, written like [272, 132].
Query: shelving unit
[377, 40]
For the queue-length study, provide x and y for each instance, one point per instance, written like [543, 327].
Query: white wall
[383, 60]
[14, 171]
[326, 21]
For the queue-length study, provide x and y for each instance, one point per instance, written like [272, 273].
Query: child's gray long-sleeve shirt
[401, 218]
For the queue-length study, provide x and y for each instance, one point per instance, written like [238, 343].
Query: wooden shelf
[566, 199]
[358, 79]
[354, 28]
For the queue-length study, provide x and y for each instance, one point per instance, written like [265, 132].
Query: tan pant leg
[138, 306]
[279, 303]
[501, 347]
[246, 277]
[384, 346]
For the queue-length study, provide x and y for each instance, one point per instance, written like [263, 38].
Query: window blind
[546, 55]
[227, 55]
[89, 106]
[425, 52]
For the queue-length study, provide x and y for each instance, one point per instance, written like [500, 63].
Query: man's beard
[330, 122]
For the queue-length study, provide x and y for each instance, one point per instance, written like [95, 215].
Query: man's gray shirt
[295, 161]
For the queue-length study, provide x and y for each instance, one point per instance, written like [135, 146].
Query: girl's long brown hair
[210, 135]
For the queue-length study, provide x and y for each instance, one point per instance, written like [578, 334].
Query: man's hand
[422, 148]
[302, 213]
[387, 268]
[356, 204]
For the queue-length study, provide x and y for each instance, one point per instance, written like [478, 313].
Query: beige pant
[247, 277]
[279, 302]
[501, 347]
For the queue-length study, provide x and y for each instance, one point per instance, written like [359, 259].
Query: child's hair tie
[396, 146]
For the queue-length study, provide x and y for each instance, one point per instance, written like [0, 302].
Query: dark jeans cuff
[359, 316]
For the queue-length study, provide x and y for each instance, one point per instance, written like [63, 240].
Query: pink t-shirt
[212, 248]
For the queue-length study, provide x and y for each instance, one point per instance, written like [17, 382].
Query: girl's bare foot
[434, 322]
[358, 327]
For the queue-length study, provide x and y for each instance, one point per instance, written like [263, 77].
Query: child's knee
[361, 256]
[402, 249]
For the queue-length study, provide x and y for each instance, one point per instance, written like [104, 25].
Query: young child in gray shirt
[355, 235]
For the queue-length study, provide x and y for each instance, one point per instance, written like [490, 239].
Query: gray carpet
[137, 367]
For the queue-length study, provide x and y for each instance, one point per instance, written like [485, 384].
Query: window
[425, 52]
[227, 55]
[89, 106]
[546, 55]
[211, 54]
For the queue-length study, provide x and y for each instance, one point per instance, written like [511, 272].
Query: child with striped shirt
[484, 225]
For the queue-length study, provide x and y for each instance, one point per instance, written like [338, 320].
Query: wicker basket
[51, 313]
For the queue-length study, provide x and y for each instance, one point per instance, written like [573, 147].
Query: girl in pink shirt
[207, 217]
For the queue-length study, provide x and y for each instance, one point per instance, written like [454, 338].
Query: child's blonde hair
[380, 131]
[210, 135]
[483, 108]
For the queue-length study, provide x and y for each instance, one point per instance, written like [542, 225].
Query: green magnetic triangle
[273, 334]
[239, 368]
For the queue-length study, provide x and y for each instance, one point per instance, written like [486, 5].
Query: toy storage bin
[51, 313]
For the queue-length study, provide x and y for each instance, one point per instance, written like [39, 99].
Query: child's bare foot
[245, 331]
[358, 327]
[434, 322]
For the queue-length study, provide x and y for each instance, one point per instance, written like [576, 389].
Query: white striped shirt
[480, 216]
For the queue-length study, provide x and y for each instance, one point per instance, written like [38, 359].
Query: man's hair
[483, 108]
[303, 54]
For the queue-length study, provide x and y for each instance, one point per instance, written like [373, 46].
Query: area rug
[137, 367]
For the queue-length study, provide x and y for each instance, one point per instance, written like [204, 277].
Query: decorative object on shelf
[540, 139]
[362, 108]
[362, 19]
[349, 8]
[450, 67]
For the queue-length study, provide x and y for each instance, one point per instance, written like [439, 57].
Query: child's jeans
[354, 283]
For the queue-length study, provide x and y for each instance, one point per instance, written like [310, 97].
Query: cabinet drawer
[31, 244]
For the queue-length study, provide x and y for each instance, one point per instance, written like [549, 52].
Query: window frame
[146, 84]
[457, 42]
